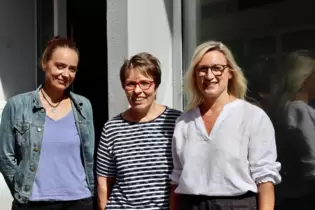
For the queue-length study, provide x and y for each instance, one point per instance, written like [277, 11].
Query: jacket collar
[37, 104]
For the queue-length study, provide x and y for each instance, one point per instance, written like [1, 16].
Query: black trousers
[247, 201]
[83, 204]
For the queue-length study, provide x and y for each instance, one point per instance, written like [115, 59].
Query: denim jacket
[21, 133]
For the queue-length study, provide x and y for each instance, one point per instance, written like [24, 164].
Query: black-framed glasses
[144, 84]
[216, 70]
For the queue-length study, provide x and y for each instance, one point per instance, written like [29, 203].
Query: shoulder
[297, 107]
[258, 119]
[81, 99]
[20, 100]
[187, 116]
[22, 97]
[251, 110]
[173, 113]
[114, 122]
[252, 116]
[298, 112]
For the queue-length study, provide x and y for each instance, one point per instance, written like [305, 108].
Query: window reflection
[273, 41]
[293, 115]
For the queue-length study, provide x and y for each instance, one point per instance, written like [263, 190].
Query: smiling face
[140, 90]
[61, 68]
[212, 74]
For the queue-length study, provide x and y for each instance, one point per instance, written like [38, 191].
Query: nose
[137, 89]
[65, 73]
[209, 74]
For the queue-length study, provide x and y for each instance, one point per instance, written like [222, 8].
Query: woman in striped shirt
[134, 157]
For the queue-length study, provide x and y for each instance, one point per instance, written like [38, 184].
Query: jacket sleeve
[8, 162]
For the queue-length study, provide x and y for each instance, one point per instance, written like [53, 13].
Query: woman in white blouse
[224, 150]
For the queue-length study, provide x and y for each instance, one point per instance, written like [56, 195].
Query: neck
[54, 95]
[302, 97]
[215, 104]
[143, 115]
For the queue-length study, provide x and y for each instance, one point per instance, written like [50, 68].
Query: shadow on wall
[169, 11]
[17, 59]
[17, 48]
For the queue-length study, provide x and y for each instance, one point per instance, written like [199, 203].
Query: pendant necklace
[51, 105]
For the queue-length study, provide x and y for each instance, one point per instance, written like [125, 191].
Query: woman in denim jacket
[47, 138]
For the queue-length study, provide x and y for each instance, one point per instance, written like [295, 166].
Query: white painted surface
[5, 196]
[144, 26]
[149, 30]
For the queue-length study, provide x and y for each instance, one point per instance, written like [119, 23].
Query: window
[261, 41]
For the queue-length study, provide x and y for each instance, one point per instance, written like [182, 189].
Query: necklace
[51, 105]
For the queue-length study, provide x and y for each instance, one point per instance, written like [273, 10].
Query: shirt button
[42, 110]
[39, 129]
[32, 169]
[36, 149]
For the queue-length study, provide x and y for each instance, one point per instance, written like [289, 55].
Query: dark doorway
[87, 26]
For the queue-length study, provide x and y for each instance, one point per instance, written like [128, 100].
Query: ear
[230, 74]
[44, 65]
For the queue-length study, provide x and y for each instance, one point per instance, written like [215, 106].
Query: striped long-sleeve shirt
[139, 156]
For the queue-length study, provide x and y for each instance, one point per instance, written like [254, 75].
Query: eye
[60, 66]
[144, 83]
[130, 84]
[73, 69]
[203, 68]
[218, 67]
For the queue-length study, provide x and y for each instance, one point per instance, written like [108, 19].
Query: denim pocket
[22, 133]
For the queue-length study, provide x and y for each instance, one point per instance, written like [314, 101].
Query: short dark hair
[146, 64]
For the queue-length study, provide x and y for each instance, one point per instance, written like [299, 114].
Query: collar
[37, 104]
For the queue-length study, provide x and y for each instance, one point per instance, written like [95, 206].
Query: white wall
[17, 59]
[145, 26]
[149, 30]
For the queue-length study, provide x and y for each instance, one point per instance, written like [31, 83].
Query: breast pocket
[22, 133]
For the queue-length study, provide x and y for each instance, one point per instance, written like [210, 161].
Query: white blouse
[239, 153]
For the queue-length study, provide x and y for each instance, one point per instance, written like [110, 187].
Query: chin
[61, 87]
[139, 107]
[211, 93]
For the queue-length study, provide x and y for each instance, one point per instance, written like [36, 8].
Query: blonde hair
[294, 71]
[237, 85]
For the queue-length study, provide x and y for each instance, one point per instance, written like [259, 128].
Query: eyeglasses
[144, 85]
[216, 70]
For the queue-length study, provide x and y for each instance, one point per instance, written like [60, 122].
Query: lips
[138, 100]
[209, 84]
[62, 82]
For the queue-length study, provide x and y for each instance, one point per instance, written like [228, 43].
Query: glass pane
[273, 41]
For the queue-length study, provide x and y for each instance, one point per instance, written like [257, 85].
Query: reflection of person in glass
[294, 121]
[47, 138]
[224, 150]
